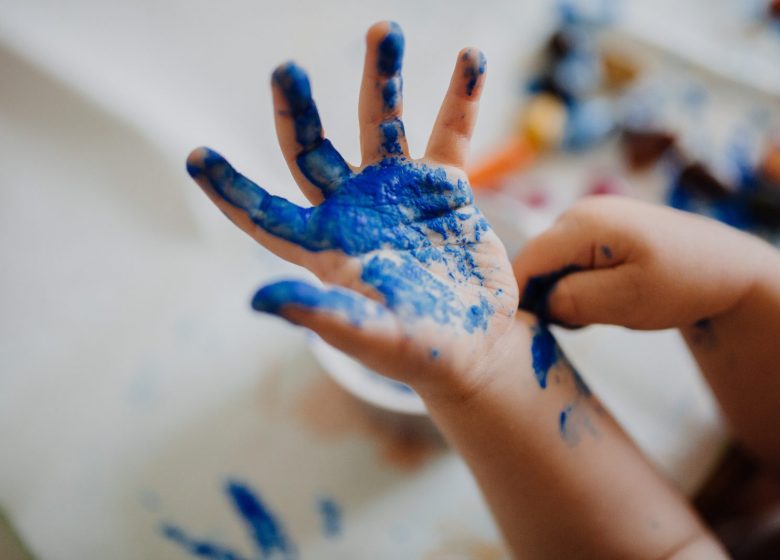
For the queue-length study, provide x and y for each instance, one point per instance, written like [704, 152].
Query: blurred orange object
[770, 166]
[519, 152]
[541, 128]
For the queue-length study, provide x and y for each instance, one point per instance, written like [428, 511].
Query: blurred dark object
[764, 205]
[698, 180]
[774, 8]
[643, 148]
[741, 503]
[770, 165]
[619, 69]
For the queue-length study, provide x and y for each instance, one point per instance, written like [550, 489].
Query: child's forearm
[561, 478]
[738, 354]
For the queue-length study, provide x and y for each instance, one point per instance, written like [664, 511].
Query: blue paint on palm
[426, 218]
[266, 531]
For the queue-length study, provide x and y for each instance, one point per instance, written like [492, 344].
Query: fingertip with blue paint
[474, 67]
[390, 50]
[274, 297]
[294, 84]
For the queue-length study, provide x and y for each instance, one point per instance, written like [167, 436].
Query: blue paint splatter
[606, 251]
[544, 354]
[435, 354]
[474, 70]
[330, 511]
[391, 51]
[478, 315]
[267, 532]
[537, 291]
[198, 548]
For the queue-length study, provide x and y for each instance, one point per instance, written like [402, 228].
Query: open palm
[420, 281]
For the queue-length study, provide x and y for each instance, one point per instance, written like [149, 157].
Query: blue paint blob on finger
[606, 251]
[294, 84]
[392, 132]
[274, 297]
[474, 68]
[324, 167]
[391, 92]
[274, 214]
[544, 354]
[390, 51]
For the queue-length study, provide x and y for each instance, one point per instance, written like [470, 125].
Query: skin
[668, 269]
[582, 490]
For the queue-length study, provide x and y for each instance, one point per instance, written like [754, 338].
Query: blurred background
[141, 398]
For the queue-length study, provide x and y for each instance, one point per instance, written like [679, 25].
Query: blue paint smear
[544, 353]
[417, 211]
[563, 420]
[478, 315]
[392, 131]
[391, 92]
[435, 354]
[272, 299]
[198, 548]
[267, 533]
[331, 514]
[537, 291]
[390, 51]
[606, 251]
[474, 70]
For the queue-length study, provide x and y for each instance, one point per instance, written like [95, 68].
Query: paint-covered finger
[273, 214]
[381, 101]
[451, 135]
[316, 165]
[345, 319]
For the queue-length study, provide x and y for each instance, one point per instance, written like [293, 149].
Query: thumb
[570, 248]
[606, 296]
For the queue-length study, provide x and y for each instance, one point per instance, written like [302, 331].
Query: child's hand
[424, 283]
[617, 261]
